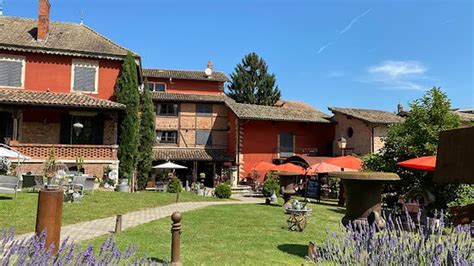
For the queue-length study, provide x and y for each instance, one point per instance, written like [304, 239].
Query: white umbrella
[8, 152]
[169, 165]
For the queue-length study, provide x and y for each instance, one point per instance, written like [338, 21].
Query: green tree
[251, 82]
[147, 138]
[128, 94]
[417, 136]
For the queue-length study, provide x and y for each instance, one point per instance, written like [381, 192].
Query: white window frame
[15, 58]
[153, 82]
[85, 63]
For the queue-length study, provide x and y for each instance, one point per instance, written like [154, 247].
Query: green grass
[232, 234]
[20, 213]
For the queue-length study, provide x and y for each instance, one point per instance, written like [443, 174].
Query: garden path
[94, 228]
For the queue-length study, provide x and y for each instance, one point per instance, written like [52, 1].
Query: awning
[183, 154]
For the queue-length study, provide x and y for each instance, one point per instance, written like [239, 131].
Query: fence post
[49, 215]
[118, 223]
[175, 238]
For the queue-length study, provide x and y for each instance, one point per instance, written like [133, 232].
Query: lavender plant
[33, 251]
[403, 242]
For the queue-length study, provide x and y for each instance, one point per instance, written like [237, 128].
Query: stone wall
[361, 140]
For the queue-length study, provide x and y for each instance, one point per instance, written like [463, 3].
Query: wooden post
[49, 215]
[118, 223]
[175, 238]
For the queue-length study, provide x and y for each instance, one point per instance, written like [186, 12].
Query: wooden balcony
[67, 151]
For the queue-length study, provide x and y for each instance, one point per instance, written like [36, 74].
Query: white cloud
[354, 20]
[323, 47]
[398, 75]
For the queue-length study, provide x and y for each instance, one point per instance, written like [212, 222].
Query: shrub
[32, 251]
[270, 185]
[174, 186]
[398, 244]
[223, 191]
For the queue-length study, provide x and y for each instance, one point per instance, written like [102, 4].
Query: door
[6, 126]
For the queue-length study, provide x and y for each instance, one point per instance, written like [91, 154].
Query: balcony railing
[67, 151]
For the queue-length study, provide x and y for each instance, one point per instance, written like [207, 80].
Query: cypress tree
[251, 82]
[147, 138]
[128, 94]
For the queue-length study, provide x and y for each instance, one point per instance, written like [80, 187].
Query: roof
[293, 104]
[465, 117]
[19, 34]
[182, 97]
[185, 74]
[369, 115]
[273, 113]
[186, 154]
[42, 98]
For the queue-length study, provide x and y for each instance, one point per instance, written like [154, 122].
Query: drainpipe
[237, 159]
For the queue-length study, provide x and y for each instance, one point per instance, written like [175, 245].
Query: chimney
[210, 64]
[43, 19]
[399, 109]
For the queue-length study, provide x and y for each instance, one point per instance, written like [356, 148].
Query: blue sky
[366, 54]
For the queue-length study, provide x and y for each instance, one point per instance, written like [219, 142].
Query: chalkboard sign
[313, 189]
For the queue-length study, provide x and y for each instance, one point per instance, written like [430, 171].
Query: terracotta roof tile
[182, 154]
[37, 98]
[185, 74]
[182, 97]
[369, 115]
[19, 34]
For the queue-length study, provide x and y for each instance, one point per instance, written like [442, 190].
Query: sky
[360, 54]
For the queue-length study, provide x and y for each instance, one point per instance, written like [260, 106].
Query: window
[157, 86]
[203, 137]
[350, 132]
[167, 109]
[203, 109]
[85, 76]
[286, 144]
[12, 71]
[167, 137]
[92, 131]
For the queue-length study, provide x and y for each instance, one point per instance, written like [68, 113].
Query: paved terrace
[95, 228]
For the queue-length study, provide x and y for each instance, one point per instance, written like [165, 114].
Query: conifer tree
[147, 137]
[251, 82]
[127, 93]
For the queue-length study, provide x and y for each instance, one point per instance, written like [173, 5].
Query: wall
[53, 73]
[259, 140]
[191, 86]
[187, 122]
[380, 133]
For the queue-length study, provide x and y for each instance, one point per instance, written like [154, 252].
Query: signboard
[313, 189]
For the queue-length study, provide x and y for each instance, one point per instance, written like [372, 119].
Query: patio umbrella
[346, 162]
[261, 168]
[325, 168]
[421, 163]
[8, 152]
[289, 169]
[169, 165]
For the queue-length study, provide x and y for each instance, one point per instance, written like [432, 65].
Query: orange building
[57, 84]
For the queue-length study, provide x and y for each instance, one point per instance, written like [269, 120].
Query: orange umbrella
[325, 168]
[346, 162]
[289, 169]
[420, 163]
[261, 168]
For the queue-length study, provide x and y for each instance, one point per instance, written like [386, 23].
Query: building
[466, 116]
[364, 129]
[57, 83]
[191, 120]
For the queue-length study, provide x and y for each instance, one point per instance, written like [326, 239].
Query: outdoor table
[297, 219]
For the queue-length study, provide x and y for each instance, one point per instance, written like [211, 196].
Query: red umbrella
[261, 168]
[289, 169]
[346, 162]
[420, 163]
[325, 168]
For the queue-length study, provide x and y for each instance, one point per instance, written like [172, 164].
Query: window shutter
[89, 79]
[4, 70]
[15, 73]
[65, 130]
[79, 78]
[98, 127]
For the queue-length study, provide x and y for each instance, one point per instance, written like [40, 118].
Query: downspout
[237, 159]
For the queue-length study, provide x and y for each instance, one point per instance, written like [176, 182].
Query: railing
[67, 151]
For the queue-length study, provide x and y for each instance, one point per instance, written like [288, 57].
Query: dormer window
[85, 76]
[12, 71]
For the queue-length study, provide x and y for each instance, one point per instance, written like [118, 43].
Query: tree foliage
[147, 138]
[417, 136]
[128, 94]
[251, 82]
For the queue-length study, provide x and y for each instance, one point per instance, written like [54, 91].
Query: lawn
[20, 213]
[233, 234]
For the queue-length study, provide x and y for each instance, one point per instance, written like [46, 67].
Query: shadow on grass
[269, 205]
[157, 260]
[294, 249]
[6, 198]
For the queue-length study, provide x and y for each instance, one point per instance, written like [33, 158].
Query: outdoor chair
[78, 184]
[161, 187]
[9, 184]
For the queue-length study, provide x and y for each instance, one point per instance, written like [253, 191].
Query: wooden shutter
[65, 130]
[98, 129]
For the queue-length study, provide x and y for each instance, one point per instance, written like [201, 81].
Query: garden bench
[9, 184]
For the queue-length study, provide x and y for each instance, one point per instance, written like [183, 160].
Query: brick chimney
[43, 19]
